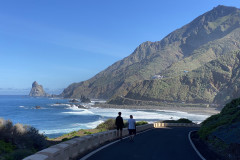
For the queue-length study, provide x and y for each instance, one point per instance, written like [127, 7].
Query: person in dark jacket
[119, 124]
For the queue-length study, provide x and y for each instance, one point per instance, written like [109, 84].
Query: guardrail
[160, 125]
[79, 146]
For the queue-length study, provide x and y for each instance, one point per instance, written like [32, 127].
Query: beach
[192, 110]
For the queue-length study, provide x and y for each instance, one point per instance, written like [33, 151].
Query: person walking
[131, 127]
[119, 124]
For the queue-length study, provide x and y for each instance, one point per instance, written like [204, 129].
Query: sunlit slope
[218, 81]
[206, 38]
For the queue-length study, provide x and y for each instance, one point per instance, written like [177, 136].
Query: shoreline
[192, 110]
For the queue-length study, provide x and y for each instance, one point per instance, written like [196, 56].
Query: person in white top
[132, 127]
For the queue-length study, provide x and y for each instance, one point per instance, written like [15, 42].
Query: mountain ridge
[206, 38]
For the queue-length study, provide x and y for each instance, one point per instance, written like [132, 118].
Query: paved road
[156, 144]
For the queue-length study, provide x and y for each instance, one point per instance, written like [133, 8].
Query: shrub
[6, 130]
[229, 114]
[107, 125]
[33, 139]
[6, 147]
[19, 154]
[20, 140]
[139, 123]
[125, 124]
[220, 131]
[65, 139]
[87, 132]
[19, 129]
[181, 120]
[184, 120]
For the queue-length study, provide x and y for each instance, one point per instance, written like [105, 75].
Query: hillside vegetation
[218, 81]
[183, 59]
[221, 132]
[18, 141]
[105, 126]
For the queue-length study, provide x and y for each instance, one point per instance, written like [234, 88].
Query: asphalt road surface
[156, 144]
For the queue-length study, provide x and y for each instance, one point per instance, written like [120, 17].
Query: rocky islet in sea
[37, 90]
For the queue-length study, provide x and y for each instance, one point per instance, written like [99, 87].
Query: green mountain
[218, 81]
[186, 50]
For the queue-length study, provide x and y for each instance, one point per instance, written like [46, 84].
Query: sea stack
[37, 90]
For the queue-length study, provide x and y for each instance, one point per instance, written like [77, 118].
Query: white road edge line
[105, 146]
[194, 147]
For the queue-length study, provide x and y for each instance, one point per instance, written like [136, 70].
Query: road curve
[156, 144]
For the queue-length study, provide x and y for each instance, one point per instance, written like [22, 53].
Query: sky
[59, 42]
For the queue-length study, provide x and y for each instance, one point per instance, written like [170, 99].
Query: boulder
[84, 99]
[38, 107]
[81, 106]
[73, 101]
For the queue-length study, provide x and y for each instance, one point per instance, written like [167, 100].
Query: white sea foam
[55, 98]
[138, 114]
[56, 104]
[73, 107]
[86, 105]
[88, 125]
[80, 112]
[126, 112]
[73, 127]
[148, 115]
[60, 104]
[23, 107]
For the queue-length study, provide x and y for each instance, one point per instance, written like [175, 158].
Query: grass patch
[139, 123]
[79, 133]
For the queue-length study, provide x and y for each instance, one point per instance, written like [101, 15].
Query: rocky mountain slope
[218, 81]
[207, 38]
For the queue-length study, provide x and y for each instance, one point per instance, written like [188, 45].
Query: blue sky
[56, 42]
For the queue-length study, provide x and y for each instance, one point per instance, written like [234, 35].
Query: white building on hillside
[157, 76]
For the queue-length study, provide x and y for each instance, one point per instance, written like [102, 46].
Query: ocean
[58, 116]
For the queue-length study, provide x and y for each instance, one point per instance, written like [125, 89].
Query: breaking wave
[80, 112]
[72, 127]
